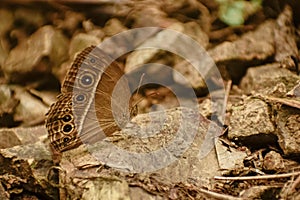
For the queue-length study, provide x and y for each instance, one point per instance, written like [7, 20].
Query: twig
[294, 185]
[218, 195]
[244, 178]
[286, 101]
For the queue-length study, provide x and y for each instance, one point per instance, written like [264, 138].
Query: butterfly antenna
[140, 83]
[134, 110]
[141, 98]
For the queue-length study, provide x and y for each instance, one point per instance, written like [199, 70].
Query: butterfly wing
[97, 97]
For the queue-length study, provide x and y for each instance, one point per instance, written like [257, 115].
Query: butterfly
[94, 99]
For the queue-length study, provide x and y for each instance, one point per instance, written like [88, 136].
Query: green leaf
[234, 13]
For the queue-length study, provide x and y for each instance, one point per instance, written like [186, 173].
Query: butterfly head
[60, 124]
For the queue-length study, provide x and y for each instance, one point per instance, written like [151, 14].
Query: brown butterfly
[86, 102]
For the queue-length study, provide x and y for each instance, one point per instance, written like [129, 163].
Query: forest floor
[214, 111]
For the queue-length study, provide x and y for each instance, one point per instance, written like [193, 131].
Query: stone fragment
[252, 48]
[92, 29]
[254, 45]
[25, 169]
[185, 74]
[80, 41]
[251, 120]
[42, 51]
[151, 15]
[288, 125]
[11, 137]
[102, 189]
[229, 158]
[295, 92]
[30, 110]
[137, 61]
[190, 29]
[113, 26]
[270, 79]
[27, 16]
[70, 22]
[273, 161]
[285, 39]
[21, 106]
[256, 192]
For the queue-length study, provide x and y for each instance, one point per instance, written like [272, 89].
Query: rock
[288, 125]
[30, 110]
[189, 76]
[140, 57]
[269, 79]
[285, 39]
[70, 22]
[229, 158]
[138, 137]
[92, 29]
[33, 19]
[102, 189]
[8, 104]
[24, 169]
[150, 15]
[254, 45]
[155, 73]
[80, 41]
[273, 161]
[21, 106]
[209, 107]
[205, 108]
[137, 58]
[11, 137]
[47, 97]
[113, 26]
[42, 51]
[295, 92]
[251, 49]
[193, 30]
[256, 192]
[250, 122]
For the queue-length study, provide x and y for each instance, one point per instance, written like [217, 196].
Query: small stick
[286, 101]
[218, 195]
[244, 178]
[294, 185]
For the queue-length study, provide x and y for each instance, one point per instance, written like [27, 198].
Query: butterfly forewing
[69, 80]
